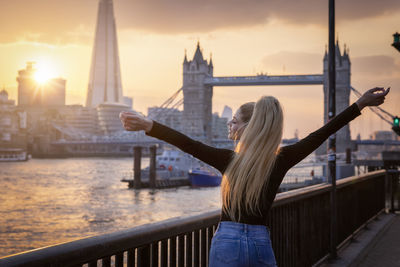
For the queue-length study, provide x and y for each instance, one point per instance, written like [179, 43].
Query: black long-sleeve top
[287, 157]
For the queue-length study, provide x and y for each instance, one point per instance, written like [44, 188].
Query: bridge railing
[299, 223]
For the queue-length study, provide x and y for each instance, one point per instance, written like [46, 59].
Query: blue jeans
[238, 244]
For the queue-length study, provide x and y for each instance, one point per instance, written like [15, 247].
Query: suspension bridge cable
[169, 111]
[171, 99]
[166, 104]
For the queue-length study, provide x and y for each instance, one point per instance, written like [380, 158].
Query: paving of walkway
[386, 250]
[378, 245]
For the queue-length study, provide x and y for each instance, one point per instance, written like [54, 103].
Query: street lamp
[396, 41]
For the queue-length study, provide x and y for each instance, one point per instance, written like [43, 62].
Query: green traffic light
[396, 122]
[396, 37]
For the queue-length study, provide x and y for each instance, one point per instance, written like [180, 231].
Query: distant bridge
[110, 142]
[378, 142]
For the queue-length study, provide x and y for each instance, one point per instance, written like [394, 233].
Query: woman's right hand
[134, 121]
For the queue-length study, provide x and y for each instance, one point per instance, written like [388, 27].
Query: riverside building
[13, 140]
[31, 93]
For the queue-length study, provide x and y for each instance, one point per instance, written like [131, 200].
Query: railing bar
[281, 234]
[203, 247]
[196, 248]
[131, 258]
[106, 262]
[181, 251]
[164, 253]
[92, 263]
[289, 245]
[119, 260]
[154, 254]
[286, 233]
[172, 252]
[143, 256]
[189, 250]
[295, 231]
[278, 235]
[210, 234]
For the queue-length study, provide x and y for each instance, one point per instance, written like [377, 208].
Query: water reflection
[44, 202]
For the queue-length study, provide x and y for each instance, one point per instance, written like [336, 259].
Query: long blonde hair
[250, 169]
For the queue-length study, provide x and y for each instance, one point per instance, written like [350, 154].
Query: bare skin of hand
[133, 121]
[373, 97]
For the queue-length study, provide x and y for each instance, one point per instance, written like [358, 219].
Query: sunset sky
[245, 37]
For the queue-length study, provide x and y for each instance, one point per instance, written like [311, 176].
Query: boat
[205, 176]
[13, 154]
[175, 164]
[171, 164]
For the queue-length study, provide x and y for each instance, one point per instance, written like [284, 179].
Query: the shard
[105, 76]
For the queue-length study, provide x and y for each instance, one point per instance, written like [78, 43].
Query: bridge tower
[343, 65]
[197, 97]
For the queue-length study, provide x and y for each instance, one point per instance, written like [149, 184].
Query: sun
[44, 72]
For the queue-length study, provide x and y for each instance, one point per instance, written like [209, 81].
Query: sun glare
[44, 72]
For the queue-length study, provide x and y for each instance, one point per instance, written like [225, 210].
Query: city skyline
[151, 62]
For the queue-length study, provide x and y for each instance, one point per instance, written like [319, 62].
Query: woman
[252, 173]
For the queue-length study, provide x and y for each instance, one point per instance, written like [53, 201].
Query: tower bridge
[265, 80]
[199, 81]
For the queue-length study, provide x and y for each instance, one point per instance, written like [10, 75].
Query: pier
[152, 182]
[159, 184]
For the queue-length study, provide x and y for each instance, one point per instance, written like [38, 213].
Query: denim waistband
[243, 228]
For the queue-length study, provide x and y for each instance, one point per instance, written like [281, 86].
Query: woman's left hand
[373, 97]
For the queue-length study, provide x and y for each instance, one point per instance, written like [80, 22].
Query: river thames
[49, 201]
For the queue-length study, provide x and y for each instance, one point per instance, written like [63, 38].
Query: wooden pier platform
[160, 184]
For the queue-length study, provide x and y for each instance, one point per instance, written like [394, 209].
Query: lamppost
[396, 41]
[332, 138]
[396, 44]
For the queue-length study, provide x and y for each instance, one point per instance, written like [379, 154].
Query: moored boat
[175, 164]
[204, 178]
[13, 154]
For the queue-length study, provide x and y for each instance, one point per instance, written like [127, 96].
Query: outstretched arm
[218, 158]
[293, 154]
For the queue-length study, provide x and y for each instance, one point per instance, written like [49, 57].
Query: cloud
[378, 70]
[51, 21]
[289, 62]
[301, 63]
[63, 20]
[208, 15]
[378, 65]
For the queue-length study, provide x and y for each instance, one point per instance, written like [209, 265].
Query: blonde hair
[250, 169]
